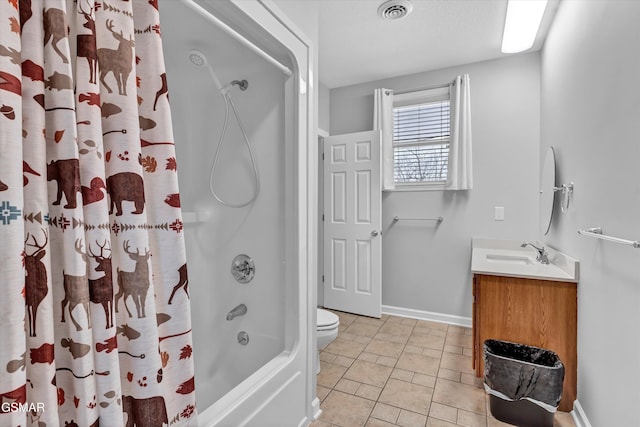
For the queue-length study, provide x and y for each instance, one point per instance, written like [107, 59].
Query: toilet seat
[326, 320]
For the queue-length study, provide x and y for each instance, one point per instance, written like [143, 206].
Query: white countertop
[507, 258]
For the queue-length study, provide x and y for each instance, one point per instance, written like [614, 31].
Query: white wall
[591, 114]
[426, 267]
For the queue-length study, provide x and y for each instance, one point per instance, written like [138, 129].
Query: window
[421, 131]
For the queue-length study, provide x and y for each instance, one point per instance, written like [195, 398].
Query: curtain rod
[438, 86]
[233, 33]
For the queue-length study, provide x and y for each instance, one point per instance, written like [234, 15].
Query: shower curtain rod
[233, 33]
[441, 85]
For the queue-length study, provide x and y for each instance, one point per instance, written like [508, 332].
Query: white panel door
[352, 223]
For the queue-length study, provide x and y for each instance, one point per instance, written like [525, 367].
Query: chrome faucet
[542, 254]
[240, 310]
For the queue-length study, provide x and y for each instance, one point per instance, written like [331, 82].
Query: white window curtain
[383, 121]
[460, 175]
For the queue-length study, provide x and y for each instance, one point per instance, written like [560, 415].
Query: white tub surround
[269, 380]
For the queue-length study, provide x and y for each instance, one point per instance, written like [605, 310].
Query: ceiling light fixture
[522, 24]
[395, 9]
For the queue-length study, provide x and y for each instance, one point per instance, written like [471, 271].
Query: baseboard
[427, 315]
[578, 415]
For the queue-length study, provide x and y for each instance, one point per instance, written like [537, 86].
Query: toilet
[326, 331]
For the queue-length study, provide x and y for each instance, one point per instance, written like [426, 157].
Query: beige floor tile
[461, 396]
[347, 386]
[434, 422]
[432, 325]
[418, 363]
[325, 356]
[322, 392]
[457, 362]
[368, 373]
[399, 329]
[362, 339]
[430, 331]
[343, 360]
[374, 422]
[426, 340]
[369, 320]
[425, 380]
[437, 354]
[471, 379]
[413, 349]
[368, 392]
[452, 348]
[443, 412]
[404, 395]
[402, 374]
[345, 410]
[345, 318]
[384, 348]
[320, 423]
[387, 361]
[411, 419]
[394, 372]
[448, 374]
[398, 339]
[471, 419]
[460, 340]
[455, 329]
[330, 374]
[344, 347]
[385, 412]
[368, 357]
[362, 329]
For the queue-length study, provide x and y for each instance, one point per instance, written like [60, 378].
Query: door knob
[374, 233]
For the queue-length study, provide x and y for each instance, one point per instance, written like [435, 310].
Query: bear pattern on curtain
[95, 321]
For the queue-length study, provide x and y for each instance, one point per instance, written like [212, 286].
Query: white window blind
[421, 132]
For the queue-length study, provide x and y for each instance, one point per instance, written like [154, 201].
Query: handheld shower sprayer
[199, 59]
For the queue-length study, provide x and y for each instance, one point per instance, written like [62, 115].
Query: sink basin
[509, 259]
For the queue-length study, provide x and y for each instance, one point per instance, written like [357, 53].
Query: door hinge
[323, 278]
[322, 156]
[323, 217]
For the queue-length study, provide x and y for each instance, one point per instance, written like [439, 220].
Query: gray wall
[324, 95]
[591, 114]
[428, 268]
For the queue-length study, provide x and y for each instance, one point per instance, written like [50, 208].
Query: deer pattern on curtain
[94, 307]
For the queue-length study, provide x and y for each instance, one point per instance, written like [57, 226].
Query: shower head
[197, 58]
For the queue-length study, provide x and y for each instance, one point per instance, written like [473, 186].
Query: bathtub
[267, 380]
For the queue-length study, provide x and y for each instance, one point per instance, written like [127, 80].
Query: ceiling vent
[395, 9]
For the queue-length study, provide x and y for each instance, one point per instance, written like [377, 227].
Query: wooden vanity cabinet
[540, 313]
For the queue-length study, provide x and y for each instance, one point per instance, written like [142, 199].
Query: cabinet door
[476, 327]
[539, 313]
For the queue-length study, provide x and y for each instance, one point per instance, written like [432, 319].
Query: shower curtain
[94, 305]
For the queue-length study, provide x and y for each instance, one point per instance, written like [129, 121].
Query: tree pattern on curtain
[94, 307]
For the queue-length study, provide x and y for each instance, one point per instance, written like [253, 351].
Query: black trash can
[524, 383]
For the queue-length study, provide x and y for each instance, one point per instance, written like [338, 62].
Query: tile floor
[404, 372]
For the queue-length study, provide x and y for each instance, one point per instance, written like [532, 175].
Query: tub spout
[240, 310]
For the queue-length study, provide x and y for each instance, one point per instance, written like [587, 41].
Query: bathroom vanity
[517, 298]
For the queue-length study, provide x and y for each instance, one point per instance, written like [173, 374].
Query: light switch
[498, 213]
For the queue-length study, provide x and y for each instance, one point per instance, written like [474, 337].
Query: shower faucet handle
[243, 268]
